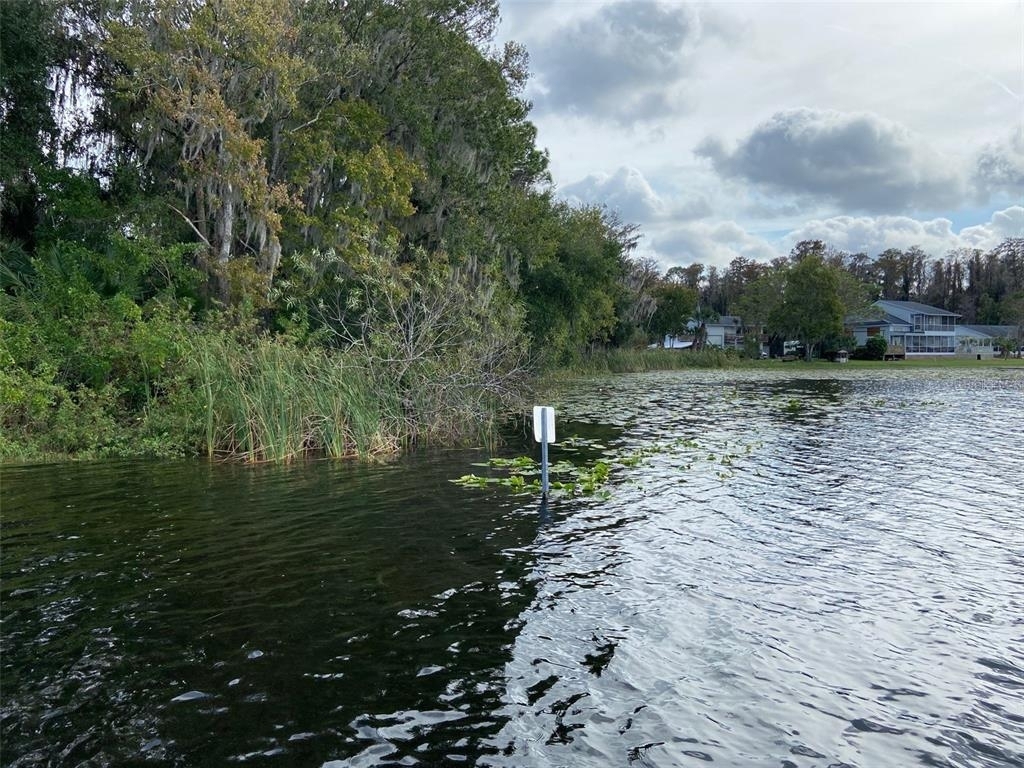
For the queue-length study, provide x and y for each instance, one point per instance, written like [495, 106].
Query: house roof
[993, 331]
[724, 321]
[880, 318]
[913, 306]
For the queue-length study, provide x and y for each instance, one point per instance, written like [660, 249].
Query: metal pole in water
[544, 433]
[543, 458]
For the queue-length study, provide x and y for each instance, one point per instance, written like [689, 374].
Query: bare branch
[191, 224]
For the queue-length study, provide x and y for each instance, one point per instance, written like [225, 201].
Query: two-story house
[916, 329]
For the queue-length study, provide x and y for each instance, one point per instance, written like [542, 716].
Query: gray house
[909, 328]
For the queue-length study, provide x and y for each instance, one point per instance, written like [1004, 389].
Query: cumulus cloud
[718, 244]
[873, 234]
[760, 209]
[858, 160]
[1000, 167]
[628, 193]
[1004, 224]
[626, 62]
[710, 244]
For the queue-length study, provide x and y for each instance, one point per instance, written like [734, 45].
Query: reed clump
[273, 401]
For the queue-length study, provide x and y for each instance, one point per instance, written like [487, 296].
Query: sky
[731, 129]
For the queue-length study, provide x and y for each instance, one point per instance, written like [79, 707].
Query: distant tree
[675, 306]
[637, 302]
[1012, 312]
[988, 310]
[27, 52]
[1004, 346]
[888, 266]
[811, 309]
[751, 345]
[806, 248]
[702, 315]
[854, 294]
[740, 274]
[1010, 253]
[572, 292]
[761, 303]
[690, 276]
[831, 345]
[861, 267]
[713, 293]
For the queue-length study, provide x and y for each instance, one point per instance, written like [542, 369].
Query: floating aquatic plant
[589, 479]
[566, 477]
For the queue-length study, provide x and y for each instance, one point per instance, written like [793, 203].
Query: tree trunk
[226, 234]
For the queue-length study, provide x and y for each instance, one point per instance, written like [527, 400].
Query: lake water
[788, 570]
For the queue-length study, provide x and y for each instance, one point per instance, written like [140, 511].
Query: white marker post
[544, 433]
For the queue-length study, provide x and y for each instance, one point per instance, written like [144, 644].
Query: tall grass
[352, 412]
[272, 401]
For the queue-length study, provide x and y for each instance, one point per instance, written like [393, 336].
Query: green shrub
[873, 349]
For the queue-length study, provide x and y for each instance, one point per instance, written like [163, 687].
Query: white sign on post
[543, 416]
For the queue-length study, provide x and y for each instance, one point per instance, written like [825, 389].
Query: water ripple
[832, 576]
[804, 570]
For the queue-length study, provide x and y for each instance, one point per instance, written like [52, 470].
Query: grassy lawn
[639, 360]
[938, 362]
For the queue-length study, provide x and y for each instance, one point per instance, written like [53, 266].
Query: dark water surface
[800, 572]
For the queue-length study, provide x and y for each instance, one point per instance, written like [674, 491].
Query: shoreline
[304, 431]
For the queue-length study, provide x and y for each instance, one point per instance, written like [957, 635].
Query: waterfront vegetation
[624, 360]
[255, 229]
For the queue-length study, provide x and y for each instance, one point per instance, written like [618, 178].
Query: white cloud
[718, 244]
[709, 244]
[628, 193]
[873, 234]
[887, 110]
[1003, 224]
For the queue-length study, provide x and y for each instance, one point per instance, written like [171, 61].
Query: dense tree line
[807, 296]
[343, 175]
[983, 287]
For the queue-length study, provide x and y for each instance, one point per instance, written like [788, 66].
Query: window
[930, 345]
[934, 323]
